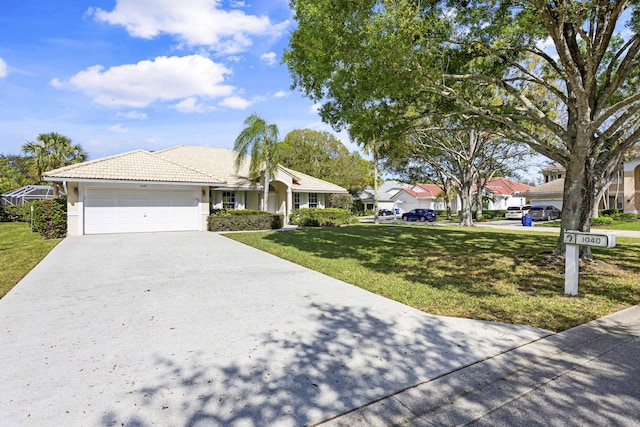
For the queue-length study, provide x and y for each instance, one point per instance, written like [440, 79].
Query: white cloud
[269, 58]
[3, 68]
[118, 128]
[194, 22]
[133, 115]
[236, 102]
[315, 108]
[281, 94]
[190, 105]
[163, 79]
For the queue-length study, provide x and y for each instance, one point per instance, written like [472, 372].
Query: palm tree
[52, 151]
[261, 140]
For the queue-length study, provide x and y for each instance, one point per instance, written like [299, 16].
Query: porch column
[287, 210]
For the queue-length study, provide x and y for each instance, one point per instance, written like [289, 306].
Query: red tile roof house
[427, 196]
[174, 190]
[505, 193]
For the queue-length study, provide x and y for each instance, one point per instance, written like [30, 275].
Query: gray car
[544, 213]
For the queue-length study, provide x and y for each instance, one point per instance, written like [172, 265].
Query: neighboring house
[385, 191]
[624, 193]
[505, 193]
[174, 190]
[26, 194]
[428, 196]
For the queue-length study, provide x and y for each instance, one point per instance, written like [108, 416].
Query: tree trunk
[465, 192]
[479, 204]
[376, 220]
[265, 191]
[578, 201]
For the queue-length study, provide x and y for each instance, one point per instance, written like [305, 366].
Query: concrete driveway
[193, 329]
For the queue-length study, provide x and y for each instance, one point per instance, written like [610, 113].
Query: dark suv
[419, 214]
[544, 213]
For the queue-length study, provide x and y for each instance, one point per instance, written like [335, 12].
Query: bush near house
[16, 213]
[341, 201]
[49, 216]
[316, 217]
[239, 220]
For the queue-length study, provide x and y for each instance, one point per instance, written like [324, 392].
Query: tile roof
[429, 191]
[548, 188]
[506, 187]
[218, 161]
[138, 165]
[182, 163]
[307, 183]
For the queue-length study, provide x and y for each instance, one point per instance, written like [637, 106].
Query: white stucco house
[174, 190]
[428, 196]
[385, 191]
[505, 193]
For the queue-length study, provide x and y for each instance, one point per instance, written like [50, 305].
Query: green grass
[20, 251]
[487, 274]
[631, 225]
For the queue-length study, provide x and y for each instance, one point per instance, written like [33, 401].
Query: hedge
[236, 221]
[603, 220]
[316, 217]
[16, 213]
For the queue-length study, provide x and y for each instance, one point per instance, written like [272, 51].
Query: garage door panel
[113, 210]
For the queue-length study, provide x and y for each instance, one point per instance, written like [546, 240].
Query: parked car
[419, 214]
[515, 212]
[544, 213]
[385, 212]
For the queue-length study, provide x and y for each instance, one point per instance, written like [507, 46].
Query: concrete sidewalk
[588, 375]
[194, 329]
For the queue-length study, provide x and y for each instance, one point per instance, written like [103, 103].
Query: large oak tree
[560, 76]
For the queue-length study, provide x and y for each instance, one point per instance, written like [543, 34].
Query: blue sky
[118, 75]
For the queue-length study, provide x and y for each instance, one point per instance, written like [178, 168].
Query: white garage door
[135, 210]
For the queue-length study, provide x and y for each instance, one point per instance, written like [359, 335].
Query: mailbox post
[573, 240]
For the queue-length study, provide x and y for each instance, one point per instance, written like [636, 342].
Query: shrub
[341, 201]
[16, 213]
[621, 216]
[236, 221]
[50, 218]
[316, 217]
[608, 212]
[603, 220]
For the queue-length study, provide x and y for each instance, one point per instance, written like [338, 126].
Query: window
[313, 200]
[228, 200]
[296, 200]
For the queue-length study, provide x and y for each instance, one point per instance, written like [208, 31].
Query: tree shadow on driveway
[294, 377]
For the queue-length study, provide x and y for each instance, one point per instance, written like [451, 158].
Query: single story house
[505, 193]
[385, 191]
[428, 196]
[174, 190]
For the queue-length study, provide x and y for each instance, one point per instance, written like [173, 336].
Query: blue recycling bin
[527, 220]
[397, 210]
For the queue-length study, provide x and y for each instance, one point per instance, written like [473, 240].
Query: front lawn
[631, 225]
[484, 274]
[20, 251]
